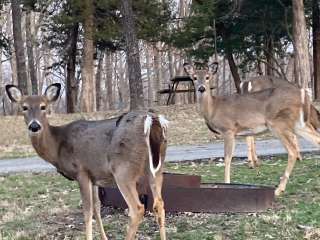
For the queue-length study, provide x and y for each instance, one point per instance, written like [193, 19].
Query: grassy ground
[47, 206]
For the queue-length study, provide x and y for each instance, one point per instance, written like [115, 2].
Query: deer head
[34, 107]
[201, 77]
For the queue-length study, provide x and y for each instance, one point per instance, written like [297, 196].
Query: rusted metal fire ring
[185, 193]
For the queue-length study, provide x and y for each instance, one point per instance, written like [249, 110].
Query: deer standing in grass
[260, 83]
[95, 153]
[284, 111]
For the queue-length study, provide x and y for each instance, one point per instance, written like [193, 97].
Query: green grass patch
[47, 206]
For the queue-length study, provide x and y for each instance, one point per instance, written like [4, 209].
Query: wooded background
[111, 54]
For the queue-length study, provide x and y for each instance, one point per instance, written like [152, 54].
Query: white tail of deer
[96, 153]
[284, 111]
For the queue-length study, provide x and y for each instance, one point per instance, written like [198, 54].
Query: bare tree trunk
[1, 79]
[88, 85]
[109, 81]
[133, 56]
[98, 81]
[19, 46]
[149, 77]
[269, 56]
[31, 65]
[301, 42]
[171, 60]
[72, 86]
[232, 64]
[234, 71]
[157, 76]
[316, 47]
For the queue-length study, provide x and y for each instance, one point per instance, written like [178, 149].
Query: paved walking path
[174, 154]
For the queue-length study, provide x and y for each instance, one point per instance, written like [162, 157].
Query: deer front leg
[86, 196]
[97, 211]
[229, 143]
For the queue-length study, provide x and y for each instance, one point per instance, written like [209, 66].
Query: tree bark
[234, 71]
[149, 76]
[133, 56]
[1, 80]
[316, 47]
[31, 64]
[19, 46]
[157, 76]
[109, 81]
[88, 85]
[98, 81]
[301, 42]
[72, 86]
[269, 55]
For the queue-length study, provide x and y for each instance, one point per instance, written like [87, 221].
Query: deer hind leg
[253, 160]
[289, 140]
[97, 211]
[86, 196]
[158, 204]
[309, 133]
[299, 157]
[229, 143]
[128, 189]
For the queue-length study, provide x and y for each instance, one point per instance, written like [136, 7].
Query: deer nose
[201, 89]
[34, 126]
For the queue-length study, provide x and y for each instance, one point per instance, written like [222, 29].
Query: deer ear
[188, 68]
[213, 67]
[14, 93]
[53, 92]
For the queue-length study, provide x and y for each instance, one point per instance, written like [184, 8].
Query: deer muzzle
[34, 126]
[201, 88]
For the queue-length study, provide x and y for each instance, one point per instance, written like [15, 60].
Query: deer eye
[24, 108]
[43, 107]
[195, 77]
[207, 77]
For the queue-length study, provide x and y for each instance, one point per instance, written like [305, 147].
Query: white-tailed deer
[284, 111]
[96, 153]
[260, 83]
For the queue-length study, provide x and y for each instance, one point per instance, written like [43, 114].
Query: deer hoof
[277, 192]
[250, 165]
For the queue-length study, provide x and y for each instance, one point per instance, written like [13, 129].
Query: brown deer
[283, 111]
[96, 153]
[260, 83]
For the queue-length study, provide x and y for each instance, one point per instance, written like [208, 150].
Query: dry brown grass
[186, 127]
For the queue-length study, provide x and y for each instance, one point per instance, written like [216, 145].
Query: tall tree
[72, 85]
[133, 56]
[31, 63]
[99, 80]
[19, 46]
[252, 31]
[108, 81]
[87, 73]
[316, 47]
[301, 42]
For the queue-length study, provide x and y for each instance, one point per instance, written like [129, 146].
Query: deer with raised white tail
[96, 153]
[283, 111]
[260, 83]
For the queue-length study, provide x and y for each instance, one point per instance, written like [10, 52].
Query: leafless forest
[36, 50]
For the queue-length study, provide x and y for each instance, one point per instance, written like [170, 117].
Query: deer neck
[206, 105]
[46, 144]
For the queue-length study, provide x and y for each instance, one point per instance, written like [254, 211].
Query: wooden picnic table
[173, 88]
